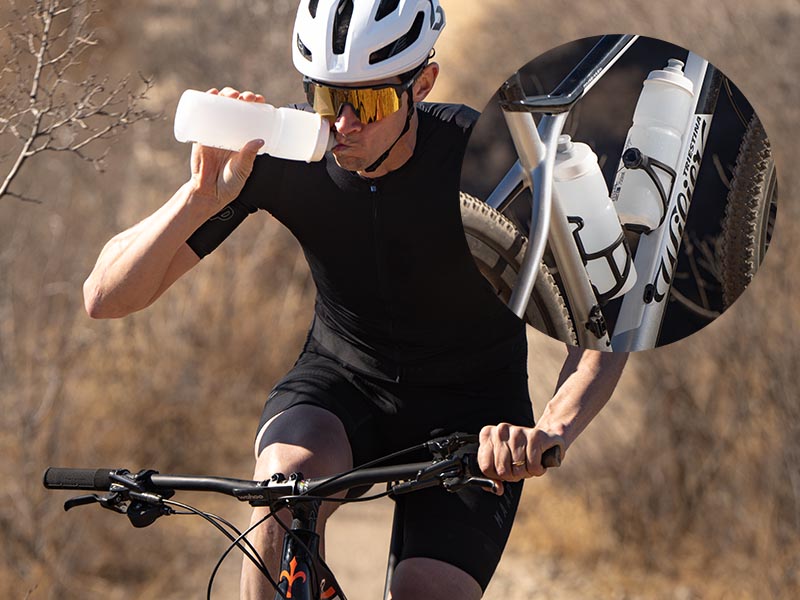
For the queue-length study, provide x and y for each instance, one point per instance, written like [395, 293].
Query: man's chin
[350, 163]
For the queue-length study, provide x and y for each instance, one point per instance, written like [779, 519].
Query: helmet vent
[303, 49]
[386, 8]
[341, 25]
[400, 44]
[312, 8]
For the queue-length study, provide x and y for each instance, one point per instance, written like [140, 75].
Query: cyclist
[408, 340]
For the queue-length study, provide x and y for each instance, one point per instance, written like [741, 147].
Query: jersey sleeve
[460, 115]
[260, 189]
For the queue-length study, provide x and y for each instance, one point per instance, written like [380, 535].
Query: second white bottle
[581, 189]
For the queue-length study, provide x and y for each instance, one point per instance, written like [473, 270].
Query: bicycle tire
[750, 213]
[498, 248]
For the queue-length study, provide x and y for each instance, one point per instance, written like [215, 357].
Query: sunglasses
[370, 104]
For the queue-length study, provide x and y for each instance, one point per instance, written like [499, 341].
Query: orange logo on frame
[291, 576]
[329, 593]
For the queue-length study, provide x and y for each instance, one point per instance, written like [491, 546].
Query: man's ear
[424, 83]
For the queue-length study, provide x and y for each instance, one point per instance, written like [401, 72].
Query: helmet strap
[374, 166]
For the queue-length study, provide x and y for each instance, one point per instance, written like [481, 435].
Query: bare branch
[23, 198]
[43, 108]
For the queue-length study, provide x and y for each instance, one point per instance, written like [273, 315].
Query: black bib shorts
[385, 409]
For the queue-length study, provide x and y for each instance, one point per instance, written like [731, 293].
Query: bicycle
[547, 282]
[146, 495]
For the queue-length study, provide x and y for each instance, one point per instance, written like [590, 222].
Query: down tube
[642, 312]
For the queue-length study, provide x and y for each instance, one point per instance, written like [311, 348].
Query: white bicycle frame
[642, 312]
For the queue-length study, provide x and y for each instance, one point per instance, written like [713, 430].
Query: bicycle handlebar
[465, 465]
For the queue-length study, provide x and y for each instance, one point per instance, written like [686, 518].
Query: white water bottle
[581, 189]
[227, 123]
[654, 142]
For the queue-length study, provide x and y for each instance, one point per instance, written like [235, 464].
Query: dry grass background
[687, 485]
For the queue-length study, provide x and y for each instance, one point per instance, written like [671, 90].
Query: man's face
[359, 144]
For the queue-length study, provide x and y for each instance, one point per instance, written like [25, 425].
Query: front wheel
[498, 248]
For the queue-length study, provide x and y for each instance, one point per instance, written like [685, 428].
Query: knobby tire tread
[742, 239]
[498, 249]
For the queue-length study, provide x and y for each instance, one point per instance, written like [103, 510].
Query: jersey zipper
[380, 262]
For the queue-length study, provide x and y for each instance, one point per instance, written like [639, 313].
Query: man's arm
[139, 264]
[586, 382]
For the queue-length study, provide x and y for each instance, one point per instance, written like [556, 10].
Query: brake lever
[446, 446]
[80, 501]
[112, 501]
[454, 484]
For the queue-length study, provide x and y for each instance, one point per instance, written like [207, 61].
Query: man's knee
[303, 438]
[434, 580]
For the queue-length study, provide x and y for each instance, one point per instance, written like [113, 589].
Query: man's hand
[218, 176]
[511, 453]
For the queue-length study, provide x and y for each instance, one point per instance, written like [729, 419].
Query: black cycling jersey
[409, 341]
[396, 282]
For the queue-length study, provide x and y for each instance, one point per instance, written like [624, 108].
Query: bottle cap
[574, 159]
[672, 74]
[323, 141]
[564, 143]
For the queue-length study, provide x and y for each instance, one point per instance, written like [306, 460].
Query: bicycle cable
[338, 500]
[255, 557]
[235, 544]
[378, 461]
[307, 550]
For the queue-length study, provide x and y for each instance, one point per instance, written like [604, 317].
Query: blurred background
[686, 486]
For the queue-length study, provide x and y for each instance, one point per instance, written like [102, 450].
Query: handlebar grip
[550, 459]
[57, 478]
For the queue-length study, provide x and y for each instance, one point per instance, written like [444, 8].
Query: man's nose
[347, 122]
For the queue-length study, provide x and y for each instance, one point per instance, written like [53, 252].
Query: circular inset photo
[619, 193]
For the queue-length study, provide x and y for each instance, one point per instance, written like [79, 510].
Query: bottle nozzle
[674, 65]
[564, 143]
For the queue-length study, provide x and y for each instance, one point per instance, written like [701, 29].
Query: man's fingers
[506, 442]
[229, 92]
[249, 96]
[251, 148]
[511, 453]
[517, 443]
[242, 162]
[486, 453]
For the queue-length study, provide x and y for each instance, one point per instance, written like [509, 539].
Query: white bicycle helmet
[352, 41]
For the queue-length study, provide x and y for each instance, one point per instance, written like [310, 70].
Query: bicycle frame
[642, 311]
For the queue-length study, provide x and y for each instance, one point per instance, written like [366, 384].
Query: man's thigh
[467, 530]
[304, 438]
[431, 579]
[317, 382]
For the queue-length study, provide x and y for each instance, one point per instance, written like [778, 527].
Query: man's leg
[452, 542]
[432, 579]
[305, 439]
